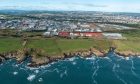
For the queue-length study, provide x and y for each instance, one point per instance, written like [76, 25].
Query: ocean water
[112, 69]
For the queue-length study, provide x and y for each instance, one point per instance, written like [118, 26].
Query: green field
[56, 46]
[131, 43]
[59, 46]
[124, 45]
[10, 44]
[53, 46]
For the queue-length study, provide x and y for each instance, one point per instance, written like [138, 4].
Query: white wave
[138, 56]
[133, 68]
[72, 59]
[97, 68]
[74, 63]
[118, 66]
[15, 73]
[127, 58]
[95, 71]
[121, 57]
[46, 70]
[132, 64]
[36, 71]
[31, 77]
[1, 65]
[122, 80]
[81, 57]
[40, 79]
[106, 58]
[40, 67]
[95, 82]
[16, 65]
[63, 74]
[57, 70]
[90, 58]
[114, 68]
[115, 72]
[32, 68]
[45, 66]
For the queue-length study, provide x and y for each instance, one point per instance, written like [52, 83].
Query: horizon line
[67, 10]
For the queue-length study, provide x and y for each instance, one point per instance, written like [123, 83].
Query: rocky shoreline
[38, 59]
[127, 53]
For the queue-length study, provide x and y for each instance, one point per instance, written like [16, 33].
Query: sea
[112, 69]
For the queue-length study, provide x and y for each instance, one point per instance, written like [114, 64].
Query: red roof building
[92, 34]
[88, 34]
[81, 34]
[76, 33]
[64, 34]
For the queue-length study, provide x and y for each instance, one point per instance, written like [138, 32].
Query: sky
[73, 5]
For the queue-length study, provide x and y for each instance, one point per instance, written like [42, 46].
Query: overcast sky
[73, 5]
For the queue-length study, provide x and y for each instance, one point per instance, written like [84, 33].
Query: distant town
[71, 24]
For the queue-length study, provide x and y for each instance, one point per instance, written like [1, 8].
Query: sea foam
[31, 77]
[15, 73]
[40, 79]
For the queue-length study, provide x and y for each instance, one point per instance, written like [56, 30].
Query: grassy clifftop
[53, 46]
[131, 43]
[10, 44]
[127, 45]
[56, 46]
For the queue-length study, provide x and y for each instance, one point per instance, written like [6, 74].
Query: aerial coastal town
[48, 36]
[69, 41]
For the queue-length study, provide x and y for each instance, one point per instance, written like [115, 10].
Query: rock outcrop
[40, 57]
[127, 53]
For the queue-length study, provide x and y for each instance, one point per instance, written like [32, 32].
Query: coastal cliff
[39, 57]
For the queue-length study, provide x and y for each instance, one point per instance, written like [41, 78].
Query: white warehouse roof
[113, 35]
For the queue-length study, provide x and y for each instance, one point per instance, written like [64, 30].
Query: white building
[113, 35]
[47, 34]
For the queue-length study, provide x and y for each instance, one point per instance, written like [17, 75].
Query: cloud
[58, 6]
[87, 5]
[75, 6]
[9, 7]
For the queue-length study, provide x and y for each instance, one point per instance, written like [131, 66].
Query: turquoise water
[108, 70]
